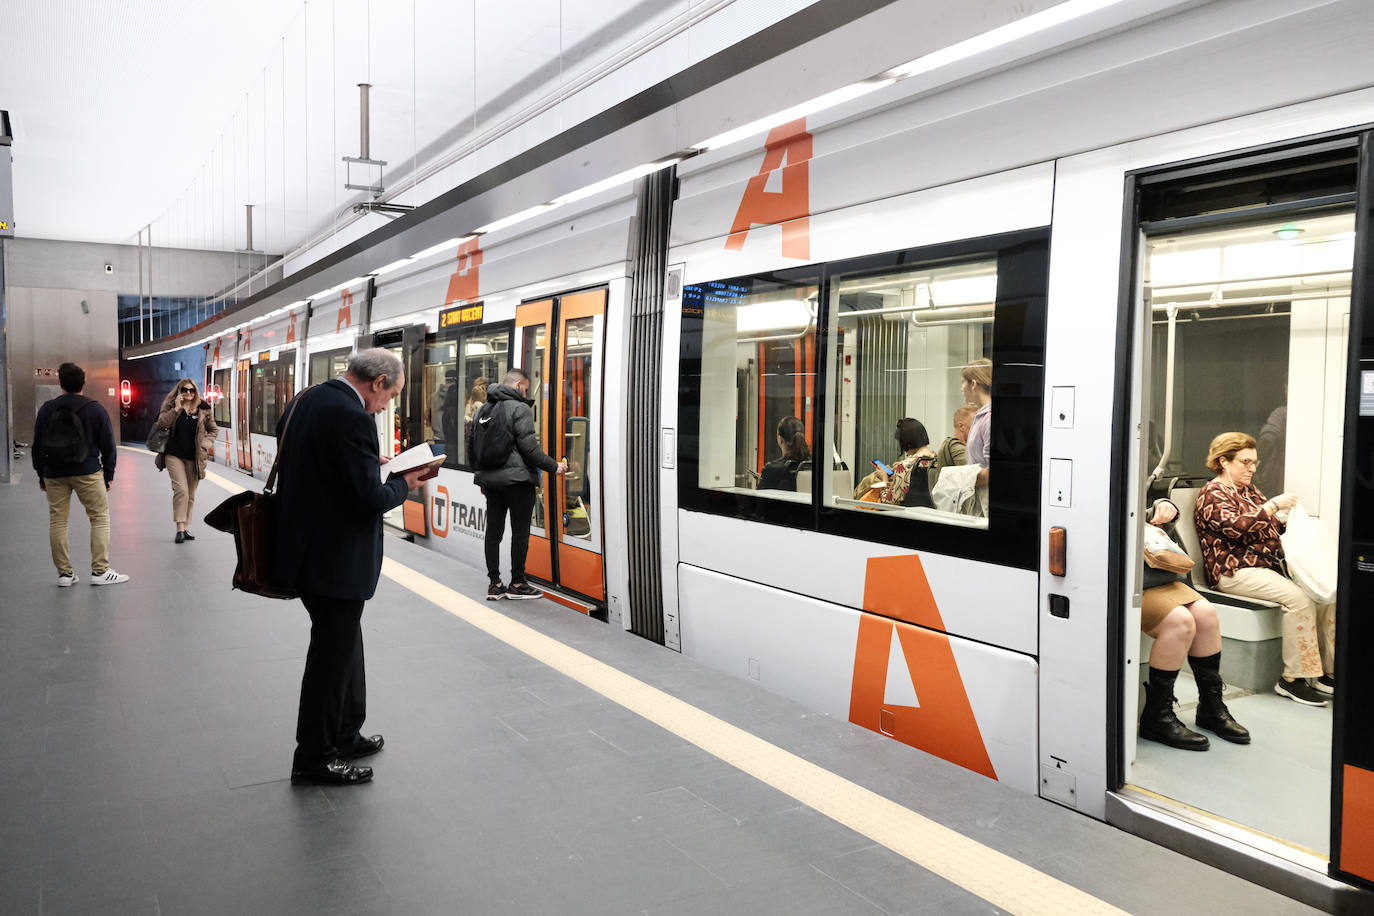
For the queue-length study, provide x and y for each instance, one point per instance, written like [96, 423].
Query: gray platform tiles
[148, 734]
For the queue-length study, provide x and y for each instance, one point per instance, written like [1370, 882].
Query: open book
[412, 458]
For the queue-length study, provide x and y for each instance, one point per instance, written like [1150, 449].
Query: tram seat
[1251, 628]
[841, 482]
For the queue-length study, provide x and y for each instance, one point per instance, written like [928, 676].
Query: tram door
[559, 343]
[245, 446]
[400, 424]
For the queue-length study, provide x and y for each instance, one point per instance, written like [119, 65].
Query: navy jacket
[527, 458]
[99, 436]
[331, 496]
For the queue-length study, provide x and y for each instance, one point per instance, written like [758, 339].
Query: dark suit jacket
[331, 497]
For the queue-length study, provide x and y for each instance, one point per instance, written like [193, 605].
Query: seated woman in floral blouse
[1239, 529]
[905, 488]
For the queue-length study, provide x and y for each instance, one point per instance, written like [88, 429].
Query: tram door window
[400, 424]
[274, 384]
[912, 375]
[222, 383]
[1248, 330]
[242, 438]
[329, 364]
[459, 367]
[560, 341]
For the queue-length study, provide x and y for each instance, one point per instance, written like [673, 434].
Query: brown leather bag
[252, 519]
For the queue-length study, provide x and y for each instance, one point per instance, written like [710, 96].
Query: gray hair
[369, 365]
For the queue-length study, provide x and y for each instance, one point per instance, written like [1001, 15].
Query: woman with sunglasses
[1239, 529]
[191, 426]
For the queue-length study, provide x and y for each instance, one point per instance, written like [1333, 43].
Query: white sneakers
[108, 577]
[66, 581]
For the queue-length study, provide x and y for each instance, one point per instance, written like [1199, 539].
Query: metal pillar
[6, 442]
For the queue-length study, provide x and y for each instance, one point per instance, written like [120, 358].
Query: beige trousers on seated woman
[184, 484]
[1309, 629]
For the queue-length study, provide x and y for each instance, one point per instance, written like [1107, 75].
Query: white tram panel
[983, 601]
[335, 323]
[790, 644]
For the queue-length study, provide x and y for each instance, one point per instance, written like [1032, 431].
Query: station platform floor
[536, 761]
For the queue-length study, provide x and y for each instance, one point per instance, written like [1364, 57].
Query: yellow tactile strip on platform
[997, 878]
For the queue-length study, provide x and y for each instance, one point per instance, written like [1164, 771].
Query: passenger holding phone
[897, 485]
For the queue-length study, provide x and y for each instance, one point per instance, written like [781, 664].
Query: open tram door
[1252, 293]
[242, 437]
[400, 424]
[559, 343]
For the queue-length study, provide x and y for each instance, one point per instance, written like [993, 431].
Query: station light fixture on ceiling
[624, 177]
[321, 294]
[962, 50]
[514, 218]
[441, 247]
[394, 265]
[1288, 231]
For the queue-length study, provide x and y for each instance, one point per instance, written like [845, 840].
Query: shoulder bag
[252, 519]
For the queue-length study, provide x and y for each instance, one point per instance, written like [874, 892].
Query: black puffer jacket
[527, 458]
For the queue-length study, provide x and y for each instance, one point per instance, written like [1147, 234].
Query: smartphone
[884, 468]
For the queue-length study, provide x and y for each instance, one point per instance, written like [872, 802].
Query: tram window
[458, 369]
[328, 365]
[848, 349]
[755, 391]
[273, 383]
[911, 381]
[223, 382]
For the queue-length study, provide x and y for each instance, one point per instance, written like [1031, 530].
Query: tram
[1132, 290]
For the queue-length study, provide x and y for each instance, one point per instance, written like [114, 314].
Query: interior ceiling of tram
[177, 114]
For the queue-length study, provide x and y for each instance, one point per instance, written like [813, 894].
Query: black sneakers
[1325, 684]
[1300, 690]
[496, 591]
[521, 591]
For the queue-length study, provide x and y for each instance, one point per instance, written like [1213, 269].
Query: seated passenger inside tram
[781, 472]
[903, 487]
[1182, 623]
[1239, 528]
[953, 450]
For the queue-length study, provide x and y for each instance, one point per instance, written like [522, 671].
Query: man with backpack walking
[74, 452]
[505, 450]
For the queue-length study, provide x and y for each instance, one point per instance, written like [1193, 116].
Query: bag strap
[281, 444]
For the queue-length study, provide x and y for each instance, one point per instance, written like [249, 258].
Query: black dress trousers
[334, 686]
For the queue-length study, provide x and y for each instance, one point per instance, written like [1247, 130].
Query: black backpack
[493, 439]
[66, 440]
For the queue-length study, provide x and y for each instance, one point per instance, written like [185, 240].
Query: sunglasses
[188, 391]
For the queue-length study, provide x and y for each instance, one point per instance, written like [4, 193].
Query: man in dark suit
[331, 500]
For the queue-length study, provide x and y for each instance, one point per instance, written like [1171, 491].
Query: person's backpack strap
[281, 443]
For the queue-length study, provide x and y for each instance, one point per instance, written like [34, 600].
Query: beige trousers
[1309, 629]
[90, 489]
[184, 484]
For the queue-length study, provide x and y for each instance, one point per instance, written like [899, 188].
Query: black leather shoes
[337, 772]
[181, 536]
[188, 535]
[363, 747]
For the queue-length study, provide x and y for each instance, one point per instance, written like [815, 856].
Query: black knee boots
[1159, 722]
[1212, 713]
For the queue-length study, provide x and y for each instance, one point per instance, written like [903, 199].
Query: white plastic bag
[1311, 555]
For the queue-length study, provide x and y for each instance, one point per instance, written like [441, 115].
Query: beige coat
[207, 431]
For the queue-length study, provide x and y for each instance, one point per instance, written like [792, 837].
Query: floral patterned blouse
[900, 482]
[1236, 530]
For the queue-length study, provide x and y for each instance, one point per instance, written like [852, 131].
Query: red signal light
[126, 393]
